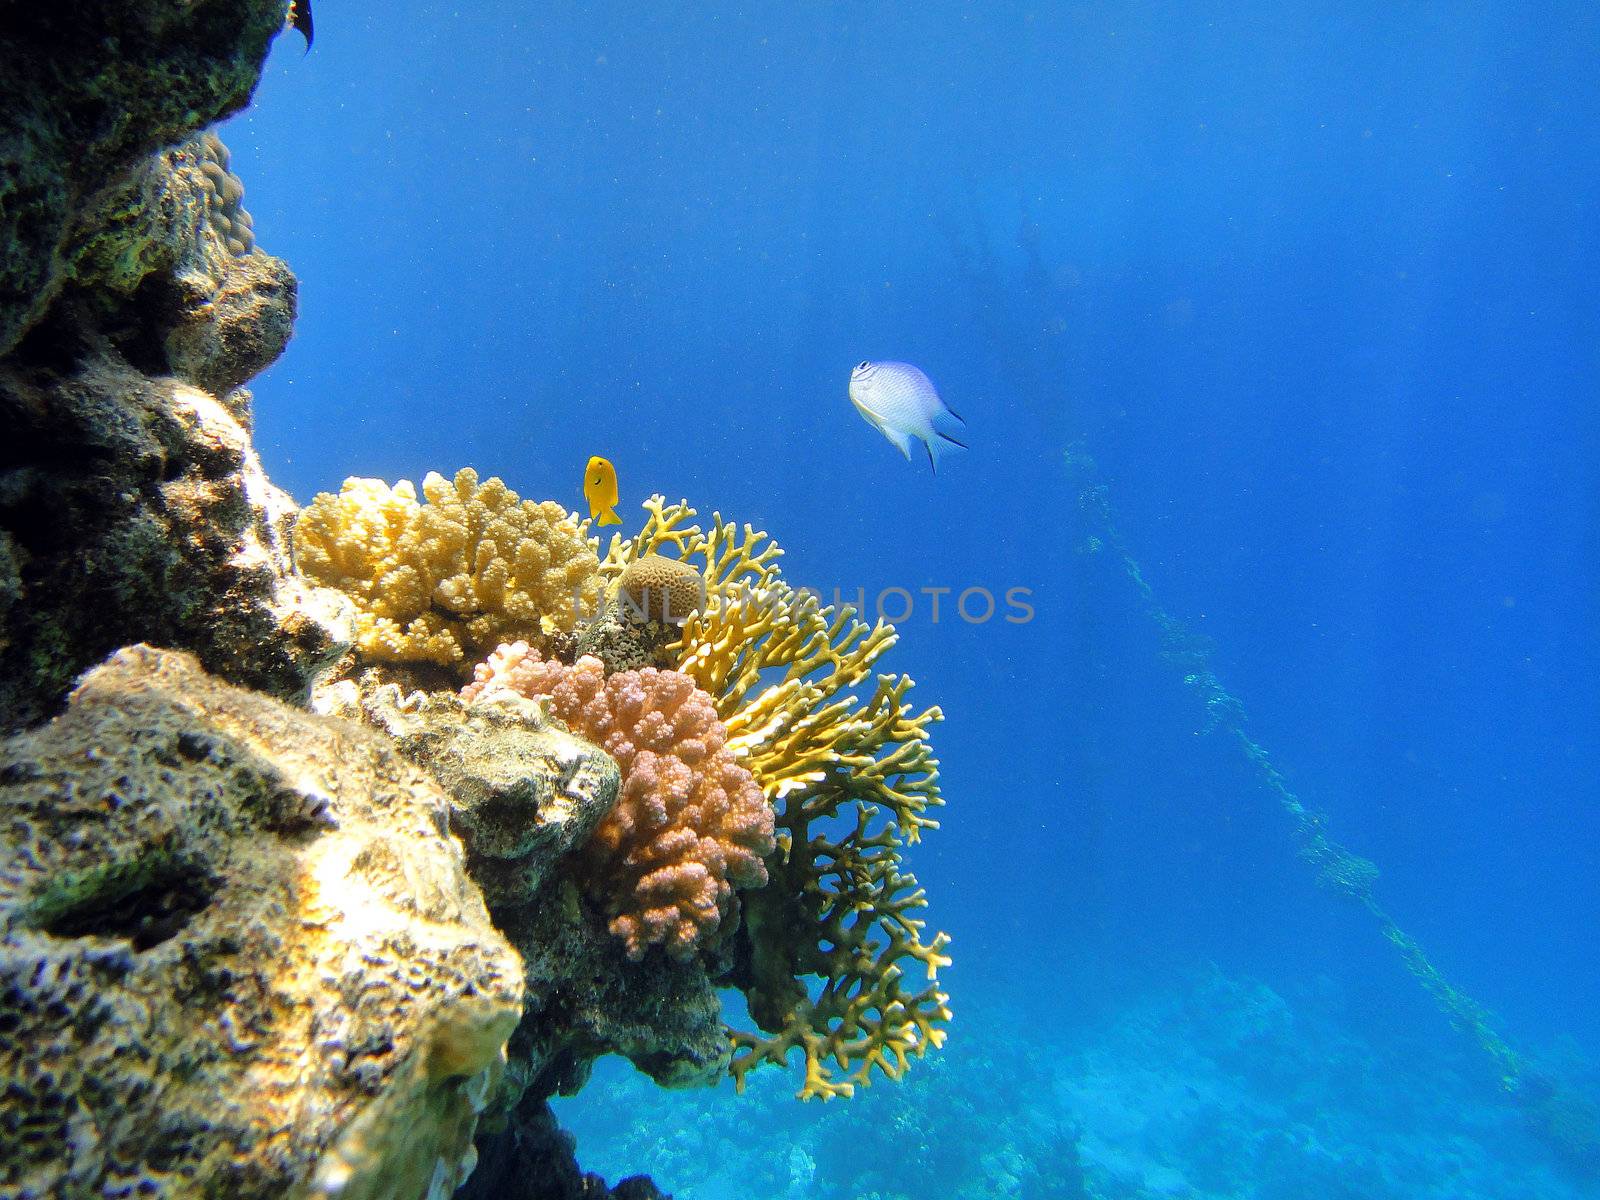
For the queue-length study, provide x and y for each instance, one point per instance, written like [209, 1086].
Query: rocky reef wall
[242, 951]
[288, 906]
[133, 506]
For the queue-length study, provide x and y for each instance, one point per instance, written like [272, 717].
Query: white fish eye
[863, 365]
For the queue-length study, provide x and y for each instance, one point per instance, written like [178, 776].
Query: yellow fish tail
[609, 517]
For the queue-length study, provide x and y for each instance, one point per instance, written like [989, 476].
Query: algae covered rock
[239, 952]
[172, 261]
[89, 89]
[533, 1158]
[135, 508]
[132, 504]
[525, 797]
[585, 999]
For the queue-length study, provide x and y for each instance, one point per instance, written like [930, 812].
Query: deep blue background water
[1319, 283]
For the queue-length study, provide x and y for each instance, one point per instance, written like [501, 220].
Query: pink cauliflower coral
[690, 824]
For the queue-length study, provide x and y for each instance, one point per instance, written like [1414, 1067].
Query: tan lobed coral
[225, 197]
[447, 581]
[690, 826]
[239, 952]
[851, 782]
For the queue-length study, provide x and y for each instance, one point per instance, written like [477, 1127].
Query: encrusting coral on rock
[524, 793]
[690, 827]
[525, 797]
[447, 581]
[239, 952]
[764, 749]
[225, 197]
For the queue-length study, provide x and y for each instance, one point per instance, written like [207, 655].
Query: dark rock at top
[89, 90]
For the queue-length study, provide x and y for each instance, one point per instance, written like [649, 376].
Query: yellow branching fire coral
[447, 581]
[782, 668]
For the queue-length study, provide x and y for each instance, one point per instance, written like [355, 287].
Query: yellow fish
[600, 490]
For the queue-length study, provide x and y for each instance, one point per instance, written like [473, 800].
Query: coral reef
[690, 826]
[240, 952]
[851, 783]
[525, 796]
[1212, 1087]
[586, 999]
[447, 581]
[91, 89]
[130, 488]
[978, 1122]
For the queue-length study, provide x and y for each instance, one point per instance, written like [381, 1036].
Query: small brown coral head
[655, 588]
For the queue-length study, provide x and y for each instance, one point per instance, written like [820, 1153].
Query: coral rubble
[447, 581]
[241, 952]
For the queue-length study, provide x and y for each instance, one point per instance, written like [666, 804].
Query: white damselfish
[900, 402]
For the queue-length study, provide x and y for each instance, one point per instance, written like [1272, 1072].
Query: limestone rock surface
[239, 953]
[523, 792]
[525, 795]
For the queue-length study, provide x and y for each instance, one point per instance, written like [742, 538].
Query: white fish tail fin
[938, 446]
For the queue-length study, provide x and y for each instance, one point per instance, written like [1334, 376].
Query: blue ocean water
[1317, 286]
